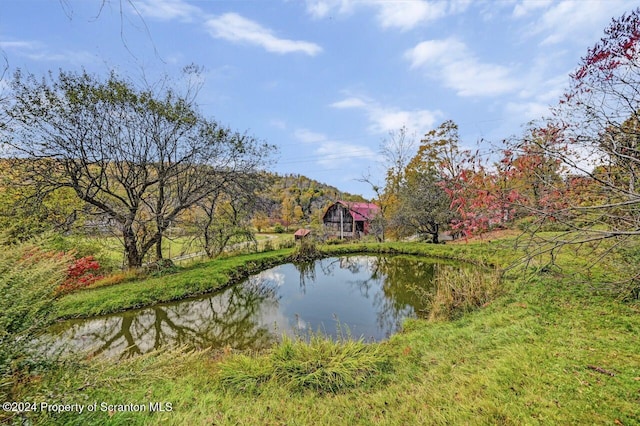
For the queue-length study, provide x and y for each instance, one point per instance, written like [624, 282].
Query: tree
[139, 157]
[594, 134]
[227, 214]
[424, 207]
[396, 151]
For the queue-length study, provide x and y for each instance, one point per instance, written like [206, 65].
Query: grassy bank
[216, 274]
[549, 351]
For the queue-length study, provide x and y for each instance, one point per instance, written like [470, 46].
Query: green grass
[193, 280]
[537, 354]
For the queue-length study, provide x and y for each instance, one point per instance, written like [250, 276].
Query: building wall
[332, 220]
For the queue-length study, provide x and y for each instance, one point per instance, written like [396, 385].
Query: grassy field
[549, 350]
[182, 249]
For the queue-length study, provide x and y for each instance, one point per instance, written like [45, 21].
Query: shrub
[307, 250]
[119, 277]
[336, 241]
[267, 246]
[79, 274]
[286, 244]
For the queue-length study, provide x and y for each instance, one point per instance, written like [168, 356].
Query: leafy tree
[24, 213]
[424, 207]
[396, 151]
[139, 157]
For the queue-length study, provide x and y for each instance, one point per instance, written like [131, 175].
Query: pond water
[355, 297]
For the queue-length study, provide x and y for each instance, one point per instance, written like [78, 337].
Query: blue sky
[327, 80]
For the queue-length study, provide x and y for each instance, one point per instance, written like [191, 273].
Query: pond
[347, 297]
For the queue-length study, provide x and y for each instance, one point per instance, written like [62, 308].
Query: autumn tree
[396, 151]
[139, 158]
[424, 207]
[594, 134]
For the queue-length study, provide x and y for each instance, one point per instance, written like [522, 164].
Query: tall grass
[28, 277]
[321, 365]
[461, 290]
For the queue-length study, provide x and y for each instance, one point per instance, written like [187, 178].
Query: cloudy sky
[327, 80]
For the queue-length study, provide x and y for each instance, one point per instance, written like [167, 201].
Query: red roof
[302, 232]
[362, 211]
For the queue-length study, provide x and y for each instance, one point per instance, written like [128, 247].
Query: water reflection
[370, 296]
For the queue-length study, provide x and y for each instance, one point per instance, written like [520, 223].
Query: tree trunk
[434, 236]
[159, 248]
[134, 258]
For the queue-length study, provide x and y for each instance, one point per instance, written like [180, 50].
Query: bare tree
[396, 151]
[594, 134]
[140, 158]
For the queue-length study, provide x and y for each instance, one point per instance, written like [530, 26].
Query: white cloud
[237, 29]
[384, 119]
[400, 14]
[571, 20]
[350, 103]
[278, 124]
[78, 58]
[407, 14]
[307, 136]
[336, 154]
[332, 154]
[323, 8]
[167, 10]
[15, 45]
[37, 51]
[451, 61]
[525, 7]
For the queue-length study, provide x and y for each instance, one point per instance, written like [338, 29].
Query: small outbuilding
[346, 219]
[301, 233]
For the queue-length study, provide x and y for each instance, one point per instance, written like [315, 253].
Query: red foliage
[619, 47]
[79, 274]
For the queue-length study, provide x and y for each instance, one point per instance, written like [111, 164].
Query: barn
[346, 219]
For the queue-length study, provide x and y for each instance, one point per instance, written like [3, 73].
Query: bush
[267, 246]
[278, 229]
[307, 250]
[335, 241]
[286, 244]
[79, 275]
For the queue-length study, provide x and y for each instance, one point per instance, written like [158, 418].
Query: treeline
[295, 200]
[279, 201]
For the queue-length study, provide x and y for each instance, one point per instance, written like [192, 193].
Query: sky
[327, 81]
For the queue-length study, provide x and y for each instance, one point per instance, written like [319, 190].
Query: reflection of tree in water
[226, 319]
[400, 279]
[307, 272]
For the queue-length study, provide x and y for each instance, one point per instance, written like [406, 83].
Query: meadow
[541, 345]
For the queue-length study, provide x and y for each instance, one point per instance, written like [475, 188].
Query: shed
[301, 233]
[346, 219]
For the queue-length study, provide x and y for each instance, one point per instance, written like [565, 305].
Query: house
[346, 219]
